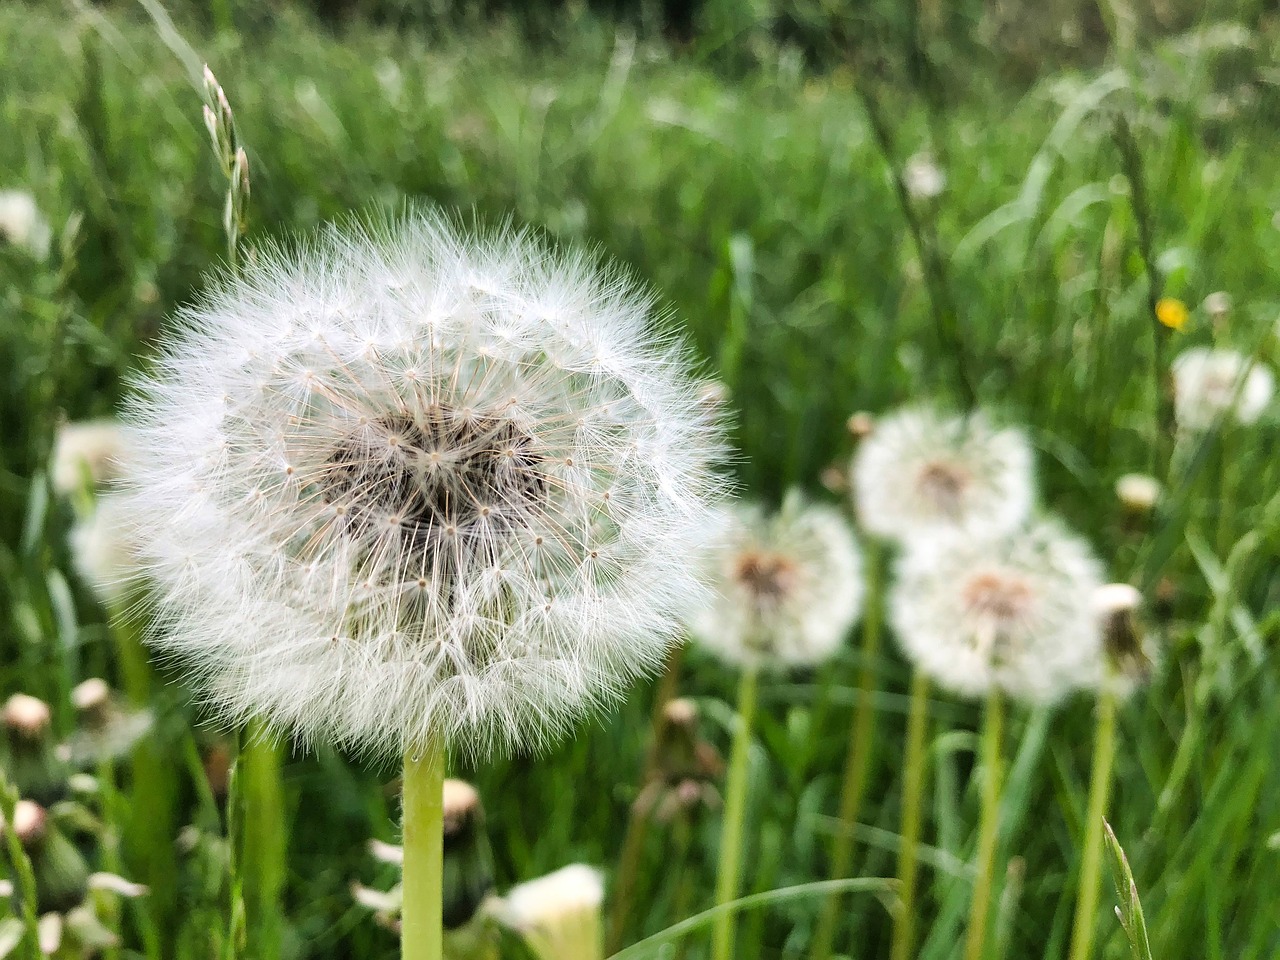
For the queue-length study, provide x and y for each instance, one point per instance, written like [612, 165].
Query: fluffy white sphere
[1213, 383]
[402, 483]
[1015, 612]
[22, 224]
[789, 585]
[923, 472]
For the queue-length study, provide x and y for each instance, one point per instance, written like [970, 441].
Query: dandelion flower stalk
[1104, 753]
[992, 772]
[728, 874]
[421, 916]
[861, 741]
[913, 780]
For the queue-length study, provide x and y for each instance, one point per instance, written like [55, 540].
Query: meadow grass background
[738, 173]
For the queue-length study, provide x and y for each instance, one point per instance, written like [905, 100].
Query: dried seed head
[861, 425]
[92, 700]
[29, 821]
[1138, 492]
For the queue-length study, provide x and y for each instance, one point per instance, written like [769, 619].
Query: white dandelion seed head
[1212, 383]
[789, 585]
[92, 449]
[402, 483]
[924, 179]
[924, 472]
[1014, 612]
[1218, 304]
[104, 549]
[22, 224]
[1138, 492]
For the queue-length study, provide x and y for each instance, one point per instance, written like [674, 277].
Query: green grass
[762, 210]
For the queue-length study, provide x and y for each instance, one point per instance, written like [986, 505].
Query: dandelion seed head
[924, 179]
[1138, 492]
[401, 483]
[90, 449]
[104, 551]
[1213, 383]
[1014, 612]
[789, 585]
[22, 224]
[922, 472]
[559, 914]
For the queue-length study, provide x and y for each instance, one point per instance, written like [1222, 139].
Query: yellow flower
[1172, 312]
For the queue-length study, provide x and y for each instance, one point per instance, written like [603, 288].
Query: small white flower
[923, 472]
[22, 224]
[89, 449]
[790, 585]
[559, 914]
[1014, 612]
[402, 482]
[923, 177]
[1138, 492]
[1212, 383]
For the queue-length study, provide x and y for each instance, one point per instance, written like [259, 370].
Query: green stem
[858, 759]
[735, 805]
[264, 842]
[421, 917]
[1104, 754]
[988, 826]
[904, 920]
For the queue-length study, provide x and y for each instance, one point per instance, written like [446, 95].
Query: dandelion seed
[1172, 313]
[790, 585]
[1213, 383]
[922, 472]
[22, 224]
[401, 484]
[1014, 613]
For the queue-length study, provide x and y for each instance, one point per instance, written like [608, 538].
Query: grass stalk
[1104, 753]
[20, 866]
[421, 918]
[858, 759]
[735, 808]
[988, 826]
[904, 920]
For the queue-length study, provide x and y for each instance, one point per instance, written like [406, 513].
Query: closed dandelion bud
[924, 472]
[62, 876]
[558, 915]
[789, 585]
[468, 861]
[861, 425]
[685, 768]
[105, 729]
[1129, 655]
[1138, 492]
[29, 756]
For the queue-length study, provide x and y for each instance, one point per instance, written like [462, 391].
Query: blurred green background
[725, 152]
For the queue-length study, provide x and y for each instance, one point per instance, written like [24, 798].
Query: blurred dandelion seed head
[1213, 383]
[22, 224]
[90, 449]
[922, 472]
[401, 481]
[1013, 612]
[1138, 492]
[790, 585]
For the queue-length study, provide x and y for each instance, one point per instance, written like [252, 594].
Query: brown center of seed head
[1000, 597]
[943, 485]
[768, 577]
[444, 480]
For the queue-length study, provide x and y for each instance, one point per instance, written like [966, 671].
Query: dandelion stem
[421, 918]
[858, 759]
[264, 841]
[735, 805]
[988, 826]
[912, 794]
[1104, 753]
